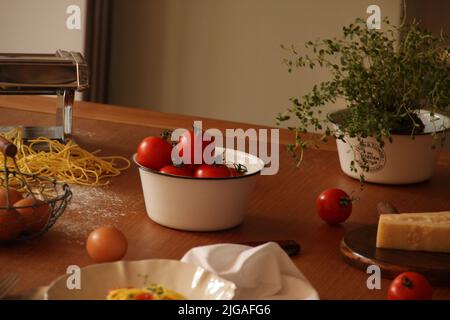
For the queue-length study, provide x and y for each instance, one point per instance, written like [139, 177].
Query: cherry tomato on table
[410, 286]
[182, 170]
[212, 171]
[186, 143]
[154, 153]
[334, 206]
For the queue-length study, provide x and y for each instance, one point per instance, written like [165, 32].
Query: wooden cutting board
[359, 250]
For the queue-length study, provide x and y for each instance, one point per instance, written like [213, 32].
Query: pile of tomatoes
[156, 153]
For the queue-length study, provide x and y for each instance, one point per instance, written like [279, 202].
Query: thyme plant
[385, 77]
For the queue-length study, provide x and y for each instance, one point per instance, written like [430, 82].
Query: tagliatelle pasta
[65, 162]
[151, 292]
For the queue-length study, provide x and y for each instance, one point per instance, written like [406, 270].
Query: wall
[39, 26]
[220, 58]
[29, 26]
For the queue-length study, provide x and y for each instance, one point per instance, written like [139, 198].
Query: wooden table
[281, 206]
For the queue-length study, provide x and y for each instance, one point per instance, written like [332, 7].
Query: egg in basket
[29, 204]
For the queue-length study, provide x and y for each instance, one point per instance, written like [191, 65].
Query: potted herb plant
[396, 85]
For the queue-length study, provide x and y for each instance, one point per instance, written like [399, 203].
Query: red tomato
[187, 142]
[410, 286]
[212, 171]
[154, 153]
[182, 170]
[334, 206]
[234, 172]
[238, 170]
[145, 296]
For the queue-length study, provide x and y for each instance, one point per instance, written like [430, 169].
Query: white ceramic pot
[195, 204]
[403, 161]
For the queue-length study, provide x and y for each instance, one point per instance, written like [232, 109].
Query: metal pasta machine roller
[59, 74]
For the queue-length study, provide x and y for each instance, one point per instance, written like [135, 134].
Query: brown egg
[106, 244]
[11, 225]
[14, 196]
[34, 219]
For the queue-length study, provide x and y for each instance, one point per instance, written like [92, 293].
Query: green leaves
[383, 80]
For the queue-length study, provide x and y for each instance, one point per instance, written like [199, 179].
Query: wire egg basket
[40, 200]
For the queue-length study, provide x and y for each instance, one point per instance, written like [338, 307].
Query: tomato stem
[345, 201]
[240, 168]
[165, 134]
[407, 283]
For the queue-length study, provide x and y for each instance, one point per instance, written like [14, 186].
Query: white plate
[195, 283]
[295, 289]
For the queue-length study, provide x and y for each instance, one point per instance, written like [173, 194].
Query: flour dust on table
[82, 216]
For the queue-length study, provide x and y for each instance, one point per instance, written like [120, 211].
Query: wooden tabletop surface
[281, 207]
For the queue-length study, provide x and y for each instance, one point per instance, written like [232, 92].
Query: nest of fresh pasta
[34, 178]
[65, 162]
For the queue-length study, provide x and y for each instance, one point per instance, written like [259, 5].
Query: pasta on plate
[152, 292]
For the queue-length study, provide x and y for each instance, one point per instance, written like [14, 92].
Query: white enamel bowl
[193, 282]
[195, 204]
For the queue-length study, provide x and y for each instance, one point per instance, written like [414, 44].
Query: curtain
[97, 48]
[432, 15]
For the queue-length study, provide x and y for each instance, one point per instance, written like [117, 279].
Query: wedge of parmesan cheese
[415, 231]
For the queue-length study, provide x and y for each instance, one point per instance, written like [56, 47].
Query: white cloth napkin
[263, 272]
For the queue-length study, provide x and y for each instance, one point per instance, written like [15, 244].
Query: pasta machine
[60, 74]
